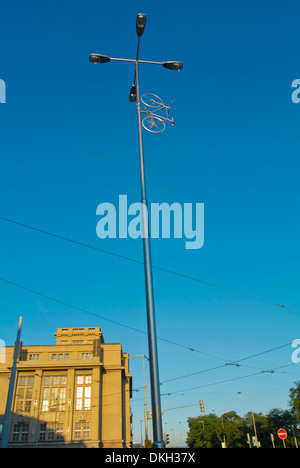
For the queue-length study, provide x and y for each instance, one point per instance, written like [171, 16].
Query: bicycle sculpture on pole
[155, 122]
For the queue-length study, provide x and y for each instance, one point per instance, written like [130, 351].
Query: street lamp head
[132, 98]
[97, 58]
[140, 24]
[173, 65]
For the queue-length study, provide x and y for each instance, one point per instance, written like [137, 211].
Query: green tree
[278, 419]
[294, 402]
[262, 430]
[203, 432]
[233, 428]
[209, 431]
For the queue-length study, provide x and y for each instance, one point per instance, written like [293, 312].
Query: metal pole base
[159, 445]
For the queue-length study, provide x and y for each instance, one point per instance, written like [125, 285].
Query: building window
[59, 431]
[22, 381]
[34, 357]
[45, 401]
[24, 394]
[51, 431]
[24, 432]
[86, 356]
[81, 430]
[30, 381]
[59, 356]
[77, 431]
[20, 432]
[54, 393]
[16, 432]
[86, 430]
[83, 392]
[43, 427]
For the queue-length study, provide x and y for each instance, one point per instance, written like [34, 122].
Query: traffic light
[166, 439]
[201, 405]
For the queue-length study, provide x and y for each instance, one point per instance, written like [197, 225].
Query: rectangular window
[24, 432]
[87, 398]
[79, 394]
[16, 432]
[83, 393]
[20, 432]
[54, 399]
[45, 400]
[59, 431]
[81, 430]
[54, 394]
[77, 431]
[47, 380]
[34, 357]
[63, 380]
[28, 399]
[62, 399]
[86, 356]
[20, 399]
[51, 431]
[30, 381]
[43, 427]
[86, 430]
[24, 394]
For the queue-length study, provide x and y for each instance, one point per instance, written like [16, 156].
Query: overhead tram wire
[165, 270]
[80, 309]
[171, 342]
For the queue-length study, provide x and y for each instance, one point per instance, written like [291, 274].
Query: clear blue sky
[69, 142]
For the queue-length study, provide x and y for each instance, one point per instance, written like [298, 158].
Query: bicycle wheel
[151, 100]
[153, 124]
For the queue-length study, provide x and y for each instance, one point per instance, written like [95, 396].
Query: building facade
[75, 393]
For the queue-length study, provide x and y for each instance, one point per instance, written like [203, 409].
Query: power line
[80, 309]
[165, 270]
[230, 380]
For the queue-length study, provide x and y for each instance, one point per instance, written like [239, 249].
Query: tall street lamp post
[145, 396]
[254, 425]
[134, 96]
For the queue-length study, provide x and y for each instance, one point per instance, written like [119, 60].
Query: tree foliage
[212, 431]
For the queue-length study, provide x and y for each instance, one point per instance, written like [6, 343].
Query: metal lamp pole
[7, 415]
[145, 396]
[254, 425]
[134, 96]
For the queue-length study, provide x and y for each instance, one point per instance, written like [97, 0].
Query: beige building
[74, 393]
